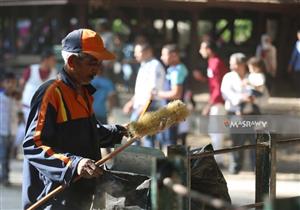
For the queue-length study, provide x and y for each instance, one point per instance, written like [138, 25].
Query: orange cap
[86, 41]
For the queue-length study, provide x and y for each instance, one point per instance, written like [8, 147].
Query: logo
[226, 123]
[245, 124]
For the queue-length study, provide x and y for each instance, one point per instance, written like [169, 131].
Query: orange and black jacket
[61, 130]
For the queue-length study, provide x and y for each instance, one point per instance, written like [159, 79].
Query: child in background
[255, 86]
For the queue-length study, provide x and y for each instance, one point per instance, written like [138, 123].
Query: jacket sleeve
[39, 143]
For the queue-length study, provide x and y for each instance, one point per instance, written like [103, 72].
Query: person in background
[9, 84]
[63, 137]
[235, 93]
[104, 97]
[16, 107]
[268, 53]
[174, 87]
[215, 71]
[294, 65]
[151, 75]
[34, 76]
[255, 86]
[20, 133]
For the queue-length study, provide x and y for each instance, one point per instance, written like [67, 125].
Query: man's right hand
[87, 169]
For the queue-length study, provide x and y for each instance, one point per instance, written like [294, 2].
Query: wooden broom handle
[98, 163]
[147, 105]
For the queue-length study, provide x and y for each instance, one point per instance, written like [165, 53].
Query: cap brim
[104, 55]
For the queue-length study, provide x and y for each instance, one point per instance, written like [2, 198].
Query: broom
[148, 124]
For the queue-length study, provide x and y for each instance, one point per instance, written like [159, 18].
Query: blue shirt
[295, 59]
[104, 87]
[176, 75]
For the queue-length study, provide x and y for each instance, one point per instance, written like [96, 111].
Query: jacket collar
[69, 82]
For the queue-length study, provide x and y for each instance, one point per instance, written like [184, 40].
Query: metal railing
[266, 168]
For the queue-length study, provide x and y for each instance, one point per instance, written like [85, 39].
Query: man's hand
[206, 110]
[128, 107]
[123, 129]
[86, 168]
[199, 76]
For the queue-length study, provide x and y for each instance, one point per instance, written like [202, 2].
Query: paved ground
[241, 186]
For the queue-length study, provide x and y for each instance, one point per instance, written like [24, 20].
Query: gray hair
[239, 58]
[66, 55]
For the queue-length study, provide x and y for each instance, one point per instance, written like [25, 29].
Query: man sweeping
[63, 137]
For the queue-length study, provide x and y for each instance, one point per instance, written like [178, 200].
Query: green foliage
[226, 35]
[242, 30]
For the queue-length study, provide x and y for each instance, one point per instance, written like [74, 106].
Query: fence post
[273, 169]
[262, 170]
[163, 198]
[184, 152]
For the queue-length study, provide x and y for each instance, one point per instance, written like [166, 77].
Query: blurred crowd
[237, 90]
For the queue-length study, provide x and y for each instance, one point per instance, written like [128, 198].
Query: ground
[241, 187]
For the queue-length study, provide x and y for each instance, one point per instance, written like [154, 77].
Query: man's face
[138, 53]
[233, 64]
[85, 68]
[51, 62]
[298, 35]
[165, 56]
[204, 50]
[9, 85]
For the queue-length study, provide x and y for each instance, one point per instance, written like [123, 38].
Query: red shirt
[215, 72]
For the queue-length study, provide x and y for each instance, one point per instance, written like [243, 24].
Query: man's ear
[72, 61]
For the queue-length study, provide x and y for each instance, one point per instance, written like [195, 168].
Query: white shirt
[256, 79]
[34, 83]
[232, 89]
[151, 75]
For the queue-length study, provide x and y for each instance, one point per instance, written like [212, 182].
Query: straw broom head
[153, 122]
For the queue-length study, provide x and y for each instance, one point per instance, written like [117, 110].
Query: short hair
[172, 48]
[145, 46]
[257, 62]
[7, 76]
[66, 55]
[47, 53]
[240, 58]
[211, 45]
